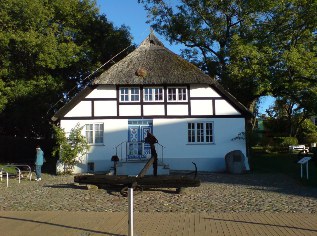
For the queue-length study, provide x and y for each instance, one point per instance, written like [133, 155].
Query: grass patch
[10, 170]
[285, 163]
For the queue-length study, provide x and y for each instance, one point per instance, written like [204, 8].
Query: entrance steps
[135, 167]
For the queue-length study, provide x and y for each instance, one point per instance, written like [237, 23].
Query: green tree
[221, 38]
[262, 47]
[72, 148]
[289, 118]
[47, 49]
[290, 32]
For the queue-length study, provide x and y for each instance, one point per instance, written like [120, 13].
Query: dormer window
[129, 94]
[177, 94]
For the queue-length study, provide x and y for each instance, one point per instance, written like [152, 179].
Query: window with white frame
[177, 94]
[129, 94]
[153, 94]
[200, 132]
[94, 133]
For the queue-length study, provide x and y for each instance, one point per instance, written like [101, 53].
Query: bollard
[130, 223]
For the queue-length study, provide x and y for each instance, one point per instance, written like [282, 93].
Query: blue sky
[133, 15]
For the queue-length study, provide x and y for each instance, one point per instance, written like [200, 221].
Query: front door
[137, 131]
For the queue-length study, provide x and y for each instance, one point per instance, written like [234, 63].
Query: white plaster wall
[105, 108]
[179, 154]
[153, 109]
[130, 110]
[224, 108]
[103, 91]
[81, 109]
[172, 134]
[115, 132]
[177, 110]
[201, 107]
[201, 90]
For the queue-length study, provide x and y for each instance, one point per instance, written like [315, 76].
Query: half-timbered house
[152, 89]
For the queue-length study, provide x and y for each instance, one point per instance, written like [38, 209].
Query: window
[124, 94]
[153, 94]
[177, 94]
[94, 133]
[200, 132]
[135, 94]
[129, 94]
[91, 166]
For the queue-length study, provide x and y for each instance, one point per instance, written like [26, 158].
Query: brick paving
[218, 193]
[185, 224]
[252, 204]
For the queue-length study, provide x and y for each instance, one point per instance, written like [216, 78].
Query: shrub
[70, 148]
[285, 141]
[310, 138]
[282, 143]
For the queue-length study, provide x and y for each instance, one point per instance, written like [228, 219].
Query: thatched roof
[152, 63]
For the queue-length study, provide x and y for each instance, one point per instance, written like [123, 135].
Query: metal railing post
[19, 175]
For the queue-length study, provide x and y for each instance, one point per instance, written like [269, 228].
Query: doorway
[137, 131]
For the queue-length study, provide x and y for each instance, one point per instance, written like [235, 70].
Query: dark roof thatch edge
[72, 103]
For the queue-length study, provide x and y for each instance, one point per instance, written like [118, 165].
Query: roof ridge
[151, 40]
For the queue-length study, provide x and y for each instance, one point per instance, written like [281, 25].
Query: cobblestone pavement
[225, 193]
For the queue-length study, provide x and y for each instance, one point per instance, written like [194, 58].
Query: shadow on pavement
[60, 225]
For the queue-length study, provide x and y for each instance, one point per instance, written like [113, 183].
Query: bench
[300, 147]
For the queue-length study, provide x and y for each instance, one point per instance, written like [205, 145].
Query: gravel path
[217, 193]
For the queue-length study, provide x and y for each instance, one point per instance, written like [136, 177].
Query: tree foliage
[48, 48]
[72, 148]
[288, 118]
[254, 48]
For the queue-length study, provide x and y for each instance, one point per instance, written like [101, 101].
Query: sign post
[303, 161]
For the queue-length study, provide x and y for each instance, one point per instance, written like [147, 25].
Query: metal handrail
[162, 148]
[120, 144]
[126, 151]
